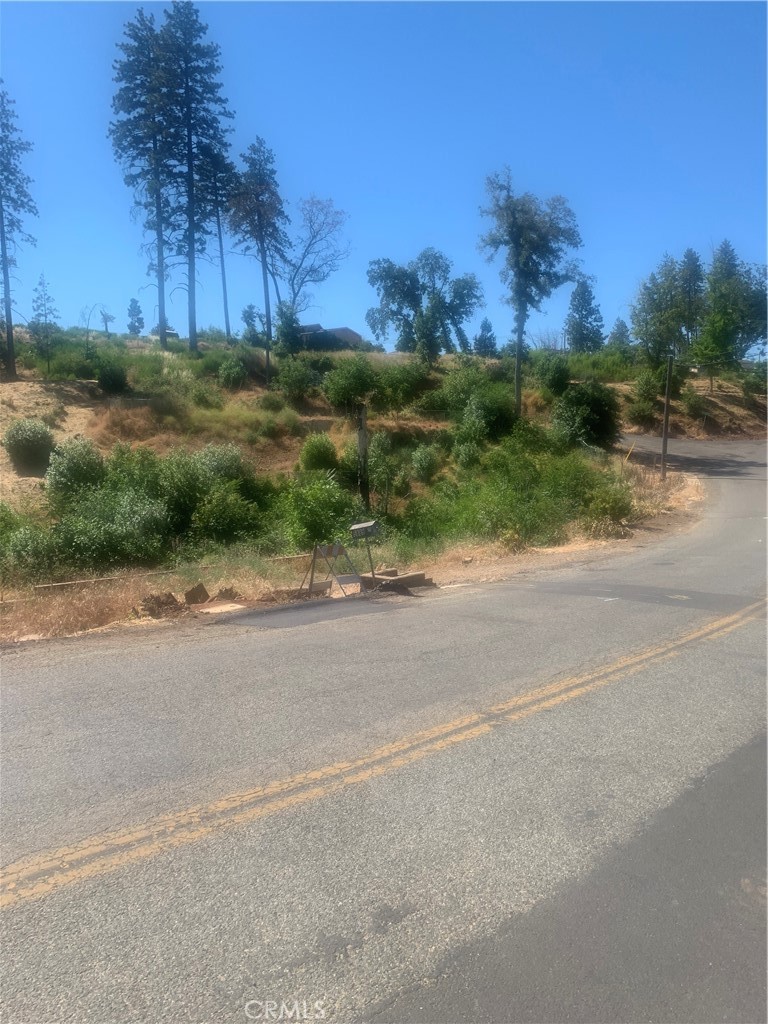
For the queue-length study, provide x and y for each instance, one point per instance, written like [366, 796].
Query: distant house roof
[344, 334]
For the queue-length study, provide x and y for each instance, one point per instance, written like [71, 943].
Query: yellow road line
[41, 874]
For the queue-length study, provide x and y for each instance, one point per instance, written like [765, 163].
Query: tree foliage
[16, 203]
[145, 141]
[484, 344]
[135, 317]
[713, 317]
[584, 324]
[196, 110]
[258, 219]
[535, 238]
[422, 304]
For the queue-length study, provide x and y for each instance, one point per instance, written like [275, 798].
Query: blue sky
[648, 117]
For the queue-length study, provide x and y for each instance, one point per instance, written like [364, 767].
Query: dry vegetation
[78, 408]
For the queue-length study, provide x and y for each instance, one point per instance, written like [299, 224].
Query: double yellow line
[42, 874]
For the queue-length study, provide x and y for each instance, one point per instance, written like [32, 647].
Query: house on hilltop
[314, 336]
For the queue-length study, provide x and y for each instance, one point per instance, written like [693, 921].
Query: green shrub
[72, 364]
[588, 414]
[224, 515]
[400, 384]
[467, 454]
[318, 452]
[31, 553]
[350, 383]
[755, 383]
[679, 375]
[317, 510]
[107, 528]
[75, 465]
[29, 444]
[133, 469]
[425, 462]
[112, 378]
[460, 384]
[613, 501]
[553, 373]
[232, 374]
[295, 379]
[642, 413]
[206, 396]
[694, 404]
[472, 428]
[646, 387]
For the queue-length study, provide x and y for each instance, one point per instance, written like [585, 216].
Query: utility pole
[665, 428]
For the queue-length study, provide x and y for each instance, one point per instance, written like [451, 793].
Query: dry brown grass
[34, 614]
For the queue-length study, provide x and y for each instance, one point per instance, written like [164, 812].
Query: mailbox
[364, 529]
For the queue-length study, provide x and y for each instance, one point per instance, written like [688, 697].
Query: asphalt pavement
[539, 800]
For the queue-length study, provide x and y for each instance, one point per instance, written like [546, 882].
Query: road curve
[537, 800]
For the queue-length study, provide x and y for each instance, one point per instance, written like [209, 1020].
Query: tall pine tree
[15, 202]
[258, 219]
[196, 109]
[145, 142]
[584, 324]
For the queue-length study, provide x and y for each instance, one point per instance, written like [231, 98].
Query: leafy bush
[467, 454]
[350, 383]
[472, 429]
[589, 414]
[461, 384]
[317, 510]
[224, 515]
[642, 413]
[72, 364]
[400, 384]
[295, 379]
[232, 374]
[206, 396]
[29, 444]
[75, 465]
[646, 387]
[693, 403]
[113, 378]
[679, 374]
[106, 528]
[553, 373]
[426, 462]
[755, 383]
[318, 452]
[606, 366]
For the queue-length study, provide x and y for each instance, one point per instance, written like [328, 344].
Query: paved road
[535, 801]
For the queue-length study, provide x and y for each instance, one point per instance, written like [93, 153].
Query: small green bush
[467, 454]
[206, 396]
[642, 413]
[553, 373]
[29, 444]
[272, 402]
[318, 452]
[425, 462]
[224, 515]
[351, 382]
[113, 378]
[646, 387]
[317, 510]
[400, 384]
[75, 465]
[588, 414]
[694, 404]
[295, 379]
[472, 428]
[232, 374]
